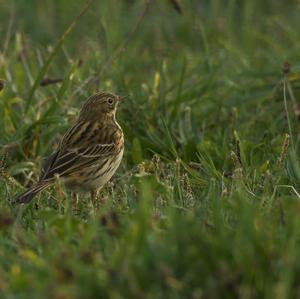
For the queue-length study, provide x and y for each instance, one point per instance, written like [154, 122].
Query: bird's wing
[72, 160]
[77, 150]
[48, 162]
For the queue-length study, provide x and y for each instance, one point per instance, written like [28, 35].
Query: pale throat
[113, 115]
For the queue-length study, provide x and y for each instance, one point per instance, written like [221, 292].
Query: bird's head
[100, 105]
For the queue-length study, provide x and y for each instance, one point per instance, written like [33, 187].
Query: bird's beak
[121, 98]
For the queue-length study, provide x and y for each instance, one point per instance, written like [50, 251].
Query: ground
[206, 201]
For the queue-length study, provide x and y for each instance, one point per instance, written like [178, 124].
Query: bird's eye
[110, 101]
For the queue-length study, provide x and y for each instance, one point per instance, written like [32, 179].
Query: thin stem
[286, 110]
[57, 47]
[101, 68]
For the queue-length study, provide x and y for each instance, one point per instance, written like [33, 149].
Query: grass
[206, 201]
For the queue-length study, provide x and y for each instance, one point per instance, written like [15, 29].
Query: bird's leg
[95, 197]
[74, 200]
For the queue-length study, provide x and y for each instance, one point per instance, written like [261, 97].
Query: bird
[88, 154]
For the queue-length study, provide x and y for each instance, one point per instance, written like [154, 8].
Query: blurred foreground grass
[206, 203]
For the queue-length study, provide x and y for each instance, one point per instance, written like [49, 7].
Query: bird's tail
[28, 195]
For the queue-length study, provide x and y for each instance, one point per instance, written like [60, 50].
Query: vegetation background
[206, 202]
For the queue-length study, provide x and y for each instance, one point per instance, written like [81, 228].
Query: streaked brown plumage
[90, 151]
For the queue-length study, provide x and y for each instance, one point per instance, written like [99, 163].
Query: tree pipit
[89, 153]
